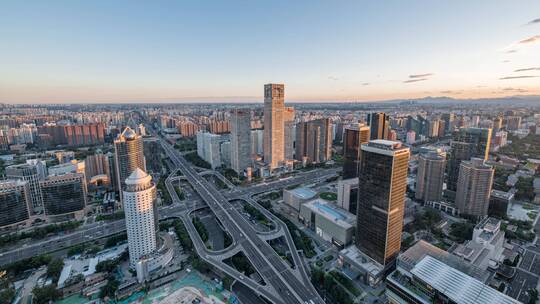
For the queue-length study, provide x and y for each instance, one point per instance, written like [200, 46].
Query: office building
[64, 194]
[129, 152]
[97, 165]
[289, 132]
[381, 199]
[411, 137]
[209, 148]
[314, 141]
[15, 202]
[499, 202]
[427, 274]
[256, 142]
[347, 194]
[466, 143]
[296, 197]
[430, 175]
[474, 188]
[240, 140]
[274, 136]
[32, 173]
[139, 207]
[379, 125]
[152, 154]
[72, 167]
[353, 137]
[225, 154]
[332, 224]
[513, 123]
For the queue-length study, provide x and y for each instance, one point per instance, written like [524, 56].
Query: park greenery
[522, 148]
[525, 189]
[165, 196]
[256, 214]
[54, 268]
[7, 295]
[196, 160]
[500, 177]
[26, 264]
[242, 264]
[45, 294]
[111, 216]
[201, 229]
[186, 144]
[328, 286]
[460, 232]
[329, 196]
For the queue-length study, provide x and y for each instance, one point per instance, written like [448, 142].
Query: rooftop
[303, 193]
[502, 195]
[331, 212]
[410, 258]
[456, 285]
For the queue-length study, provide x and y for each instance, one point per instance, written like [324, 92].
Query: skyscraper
[381, 199]
[430, 175]
[129, 153]
[379, 124]
[474, 188]
[289, 132]
[314, 140]
[139, 207]
[240, 140]
[353, 137]
[466, 143]
[273, 140]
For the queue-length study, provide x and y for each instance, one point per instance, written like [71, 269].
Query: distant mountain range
[520, 99]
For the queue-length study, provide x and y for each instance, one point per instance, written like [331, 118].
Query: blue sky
[121, 51]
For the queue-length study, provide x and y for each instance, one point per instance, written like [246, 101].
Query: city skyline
[222, 52]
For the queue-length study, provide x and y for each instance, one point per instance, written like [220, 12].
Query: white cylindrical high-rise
[139, 195]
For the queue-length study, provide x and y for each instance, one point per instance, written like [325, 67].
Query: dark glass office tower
[353, 137]
[381, 199]
[379, 124]
[466, 143]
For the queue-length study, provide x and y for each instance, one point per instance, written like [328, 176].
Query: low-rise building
[329, 222]
[426, 274]
[347, 194]
[486, 247]
[296, 197]
[498, 203]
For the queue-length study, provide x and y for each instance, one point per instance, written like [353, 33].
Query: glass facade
[466, 143]
[64, 194]
[382, 185]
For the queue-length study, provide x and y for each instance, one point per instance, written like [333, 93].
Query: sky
[81, 51]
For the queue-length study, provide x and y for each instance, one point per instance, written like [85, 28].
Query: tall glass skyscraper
[381, 199]
[274, 136]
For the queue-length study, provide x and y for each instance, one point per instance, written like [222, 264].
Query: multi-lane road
[288, 286]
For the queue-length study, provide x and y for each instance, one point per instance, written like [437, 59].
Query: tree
[110, 289]
[533, 296]
[55, 268]
[45, 294]
[7, 295]
[461, 231]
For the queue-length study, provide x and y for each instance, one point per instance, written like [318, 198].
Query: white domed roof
[138, 176]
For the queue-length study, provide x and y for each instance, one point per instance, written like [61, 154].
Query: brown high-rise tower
[381, 199]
